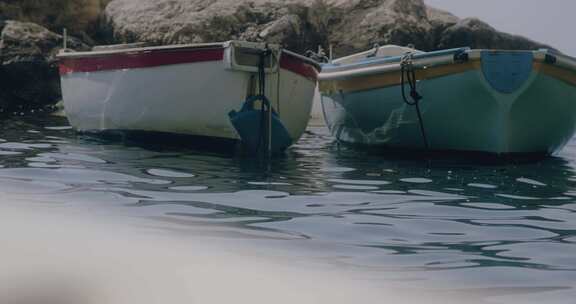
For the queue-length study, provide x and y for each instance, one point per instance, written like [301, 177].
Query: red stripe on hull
[298, 66]
[136, 60]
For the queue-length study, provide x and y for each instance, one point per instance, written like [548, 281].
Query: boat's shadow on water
[165, 142]
[181, 143]
[308, 166]
[449, 169]
[317, 153]
[472, 157]
[224, 164]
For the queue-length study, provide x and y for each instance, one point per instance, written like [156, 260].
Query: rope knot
[408, 77]
[415, 95]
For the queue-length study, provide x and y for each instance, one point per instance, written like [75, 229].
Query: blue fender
[250, 127]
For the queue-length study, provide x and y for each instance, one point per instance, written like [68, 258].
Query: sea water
[91, 220]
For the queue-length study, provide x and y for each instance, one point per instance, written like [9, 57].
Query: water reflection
[351, 207]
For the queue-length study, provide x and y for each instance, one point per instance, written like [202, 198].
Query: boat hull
[191, 96]
[461, 111]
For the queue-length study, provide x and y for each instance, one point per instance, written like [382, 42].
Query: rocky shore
[29, 72]
[29, 39]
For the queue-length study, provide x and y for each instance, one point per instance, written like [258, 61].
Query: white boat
[198, 89]
[490, 101]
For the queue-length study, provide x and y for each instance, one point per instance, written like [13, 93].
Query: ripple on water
[530, 182]
[269, 184]
[9, 153]
[347, 208]
[337, 170]
[359, 182]
[76, 176]
[437, 194]
[390, 192]
[169, 173]
[33, 164]
[516, 197]
[355, 187]
[558, 255]
[59, 128]
[455, 189]
[189, 188]
[30, 186]
[416, 180]
[71, 157]
[482, 186]
[489, 206]
[23, 146]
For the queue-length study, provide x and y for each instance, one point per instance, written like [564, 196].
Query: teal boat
[490, 101]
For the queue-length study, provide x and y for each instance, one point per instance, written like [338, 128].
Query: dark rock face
[300, 25]
[78, 16]
[28, 71]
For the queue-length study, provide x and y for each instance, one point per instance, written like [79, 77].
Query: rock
[438, 17]
[28, 71]
[439, 21]
[349, 25]
[478, 34]
[400, 22]
[78, 16]
[279, 30]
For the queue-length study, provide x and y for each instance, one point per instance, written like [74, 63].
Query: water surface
[489, 232]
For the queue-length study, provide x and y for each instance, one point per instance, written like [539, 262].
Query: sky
[549, 21]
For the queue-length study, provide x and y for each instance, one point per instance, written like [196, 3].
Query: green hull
[461, 112]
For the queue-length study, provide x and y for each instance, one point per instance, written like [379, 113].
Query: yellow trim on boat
[383, 80]
[364, 83]
[557, 72]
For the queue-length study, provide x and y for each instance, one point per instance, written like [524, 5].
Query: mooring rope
[266, 107]
[408, 74]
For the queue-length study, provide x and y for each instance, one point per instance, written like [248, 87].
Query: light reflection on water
[503, 229]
